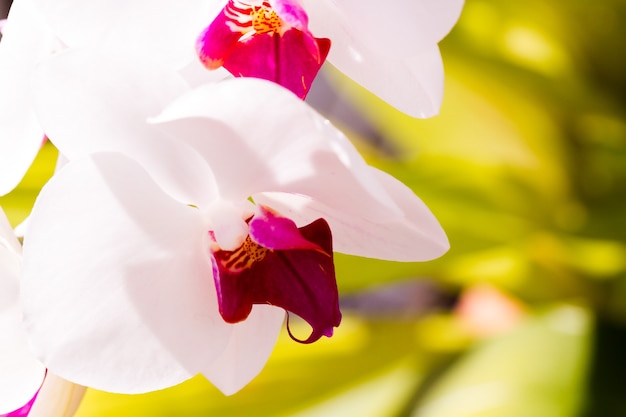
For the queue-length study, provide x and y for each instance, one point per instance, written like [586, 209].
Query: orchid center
[244, 257]
[265, 20]
[281, 265]
[268, 40]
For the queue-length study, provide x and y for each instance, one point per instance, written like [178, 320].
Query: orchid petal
[274, 232]
[399, 27]
[26, 41]
[414, 236]
[292, 13]
[289, 148]
[412, 83]
[104, 107]
[117, 290]
[248, 349]
[21, 374]
[8, 241]
[385, 50]
[156, 29]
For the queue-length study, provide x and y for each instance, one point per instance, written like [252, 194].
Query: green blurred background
[525, 169]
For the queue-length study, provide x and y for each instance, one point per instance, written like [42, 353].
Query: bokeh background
[525, 168]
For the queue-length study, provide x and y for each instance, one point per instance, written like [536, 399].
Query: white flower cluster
[165, 164]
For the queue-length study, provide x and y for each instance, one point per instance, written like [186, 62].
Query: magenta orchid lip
[284, 266]
[251, 40]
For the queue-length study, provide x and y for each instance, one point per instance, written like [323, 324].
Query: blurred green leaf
[537, 370]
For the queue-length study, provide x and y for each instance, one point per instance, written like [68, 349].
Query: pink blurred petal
[485, 310]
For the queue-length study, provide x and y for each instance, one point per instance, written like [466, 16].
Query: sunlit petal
[414, 236]
[249, 347]
[104, 107]
[156, 29]
[26, 41]
[117, 290]
[395, 28]
[284, 145]
[21, 374]
[392, 50]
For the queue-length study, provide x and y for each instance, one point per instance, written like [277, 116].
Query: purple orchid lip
[260, 42]
[282, 265]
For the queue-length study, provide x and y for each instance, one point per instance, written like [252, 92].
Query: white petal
[8, 237]
[399, 27]
[26, 41]
[163, 31]
[279, 143]
[21, 374]
[90, 100]
[414, 236]
[247, 352]
[117, 285]
[404, 69]
[160, 29]
[228, 223]
[413, 84]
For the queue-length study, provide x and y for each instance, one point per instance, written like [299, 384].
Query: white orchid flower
[172, 248]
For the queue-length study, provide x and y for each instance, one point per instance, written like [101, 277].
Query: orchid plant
[194, 212]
